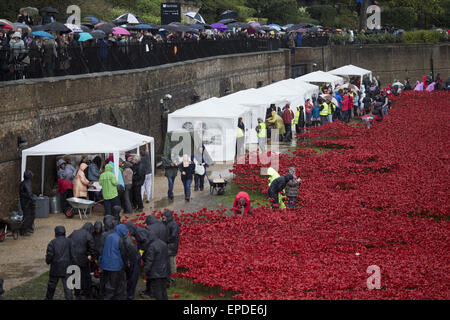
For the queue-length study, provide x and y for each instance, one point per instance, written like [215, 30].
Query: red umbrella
[6, 24]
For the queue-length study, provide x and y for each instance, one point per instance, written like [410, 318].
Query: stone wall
[41, 109]
[387, 61]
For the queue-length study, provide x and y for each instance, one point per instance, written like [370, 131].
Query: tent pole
[153, 168]
[24, 165]
[42, 175]
[116, 164]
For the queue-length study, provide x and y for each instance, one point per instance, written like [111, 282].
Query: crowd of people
[191, 168]
[111, 251]
[24, 55]
[95, 180]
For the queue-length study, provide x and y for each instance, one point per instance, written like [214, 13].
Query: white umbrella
[196, 16]
[333, 100]
[347, 86]
[398, 84]
[73, 27]
[127, 18]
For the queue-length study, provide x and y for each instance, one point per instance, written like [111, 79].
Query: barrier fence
[71, 60]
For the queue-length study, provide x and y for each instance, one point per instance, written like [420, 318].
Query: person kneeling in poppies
[276, 187]
[242, 201]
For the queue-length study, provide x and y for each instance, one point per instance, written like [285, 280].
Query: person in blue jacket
[113, 262]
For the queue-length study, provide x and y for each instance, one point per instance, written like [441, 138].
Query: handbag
[199, 169]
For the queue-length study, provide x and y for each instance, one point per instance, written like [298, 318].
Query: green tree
[400, 17]
[427, 10]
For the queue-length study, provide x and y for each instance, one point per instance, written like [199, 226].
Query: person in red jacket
[346, 107]
[288, 116]
[242, 201]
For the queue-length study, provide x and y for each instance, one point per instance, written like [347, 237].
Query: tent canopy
[303, 90]
[217, 120]
[322, 77]
[99, 138]
[351, 70]
[253, 99]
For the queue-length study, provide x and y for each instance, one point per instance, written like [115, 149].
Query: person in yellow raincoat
[273, 174]
[277, 122]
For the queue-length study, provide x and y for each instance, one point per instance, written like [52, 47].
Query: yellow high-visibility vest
[297, 115]
[325, 109]
[262, 132]
[331, 108]
[240, 133]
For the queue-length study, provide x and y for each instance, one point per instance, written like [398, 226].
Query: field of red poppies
[377, 196]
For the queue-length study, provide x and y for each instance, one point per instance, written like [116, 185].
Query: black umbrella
[98, 34]
[85, 29]
[56, 26]
[229, 14]
[87, 24]
[266, 28]
[37, 28]
[106, 28]
[226, 21]
[177, 28]
[49, 10]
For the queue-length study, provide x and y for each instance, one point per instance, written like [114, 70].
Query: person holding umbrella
[48, 18]
[23, 17]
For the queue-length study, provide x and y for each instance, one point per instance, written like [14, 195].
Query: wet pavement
[24, 259]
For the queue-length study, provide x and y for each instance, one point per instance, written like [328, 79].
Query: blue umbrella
[143, 27]
[91, 19]
[84, 36]
[275, 26]
[42, 34]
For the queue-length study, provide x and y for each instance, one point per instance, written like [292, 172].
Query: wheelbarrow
[11, 225]
[82, 205]
[217, 184]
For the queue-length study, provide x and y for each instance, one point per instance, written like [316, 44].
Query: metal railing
[82, 59]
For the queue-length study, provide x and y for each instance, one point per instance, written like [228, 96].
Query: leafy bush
[422, 36]
[340, 38]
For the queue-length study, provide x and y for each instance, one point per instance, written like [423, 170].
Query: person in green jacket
[109, 183]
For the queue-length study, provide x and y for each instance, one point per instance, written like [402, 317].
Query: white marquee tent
[97, 139]
[218, 121]
[249, 98]
[351, 70]
[303, 89]
[322, 77]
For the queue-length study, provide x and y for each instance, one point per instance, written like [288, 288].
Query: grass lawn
[186, 290]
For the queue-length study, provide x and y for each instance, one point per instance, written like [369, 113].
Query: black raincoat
[157, 227]
[59, 253]
[157, 264]
[83, 244]
[173, 233]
